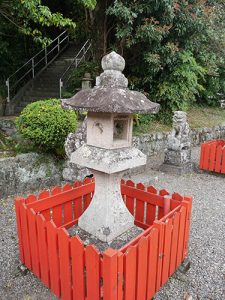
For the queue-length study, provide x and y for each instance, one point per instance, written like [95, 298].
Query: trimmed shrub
[46, 124]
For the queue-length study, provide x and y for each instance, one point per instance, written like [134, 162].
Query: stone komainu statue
[179, 138]
[178, 151]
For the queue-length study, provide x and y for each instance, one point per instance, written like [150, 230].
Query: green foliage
[178, 91]
[74, 82]
[174, 49]
[89, 3]
[25, 146]
[30, 17]
[46, 124]
[143, 119]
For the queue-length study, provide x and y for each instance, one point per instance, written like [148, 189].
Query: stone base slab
[178, 170]
[178, 158]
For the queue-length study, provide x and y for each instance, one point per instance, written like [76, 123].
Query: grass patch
[153, 126]
[198, 117]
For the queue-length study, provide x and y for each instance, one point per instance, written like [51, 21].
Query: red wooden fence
[213, 156]
[74, 271]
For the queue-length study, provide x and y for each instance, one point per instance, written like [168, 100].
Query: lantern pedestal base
[107, 216]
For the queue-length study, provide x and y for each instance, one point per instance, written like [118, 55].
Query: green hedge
[46, 124]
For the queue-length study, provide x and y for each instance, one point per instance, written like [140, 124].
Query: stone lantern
[108, 151]
[86, 81]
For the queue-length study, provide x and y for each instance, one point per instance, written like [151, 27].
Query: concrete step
[44, 89]
[47, 80]
[51, 75]
[47, 84]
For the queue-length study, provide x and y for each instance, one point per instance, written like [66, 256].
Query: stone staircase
[46, 84]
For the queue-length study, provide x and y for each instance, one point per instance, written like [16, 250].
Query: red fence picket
[74, 271]
[212, 156]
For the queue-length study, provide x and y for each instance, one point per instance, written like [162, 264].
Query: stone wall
[156, 143]
[32, 171]
[28, 172]
[8, 126]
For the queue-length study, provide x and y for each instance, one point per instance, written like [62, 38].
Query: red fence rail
[74, 271]
[212, 156]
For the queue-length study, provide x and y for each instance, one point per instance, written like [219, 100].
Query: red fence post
[160, 227]
[188, 204]
[77, 203]
[120, 262]
[64, 263]
[142, 267]
[110, 274]
[57, 210]
[92, 261]
[68, 207]
[77, 254]
[130, 273]
[130, 200]
[202, 156]
[180, 245]
[33, 241]
[151, 209]
[153, 256]
[212, 156]
[166, 250]
[174, 242]
[43, 249]
[205, 165]
[140, 205]
[53, 257]
[166, 208]
[25, 235]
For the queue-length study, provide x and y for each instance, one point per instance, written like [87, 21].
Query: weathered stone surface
[113, 61]
[109, 131]
[222, 103]
[107, 216]
[111, 93]
[107, 160]
[117, 243]
[179, 138]
[8, 126]
[77, 139]
[71, 171]
[28, 172]
[178, 158]
[86, 81]
[178, 152]
[101, 99]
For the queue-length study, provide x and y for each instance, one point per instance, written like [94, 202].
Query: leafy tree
[28, 25]
[30, 17]
[169, 47]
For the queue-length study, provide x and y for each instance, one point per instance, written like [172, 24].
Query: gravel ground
[204, 280]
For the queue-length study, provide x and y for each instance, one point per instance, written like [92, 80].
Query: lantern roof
[111, 93]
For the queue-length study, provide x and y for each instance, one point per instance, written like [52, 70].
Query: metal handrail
[77, 60]
[32, 64]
